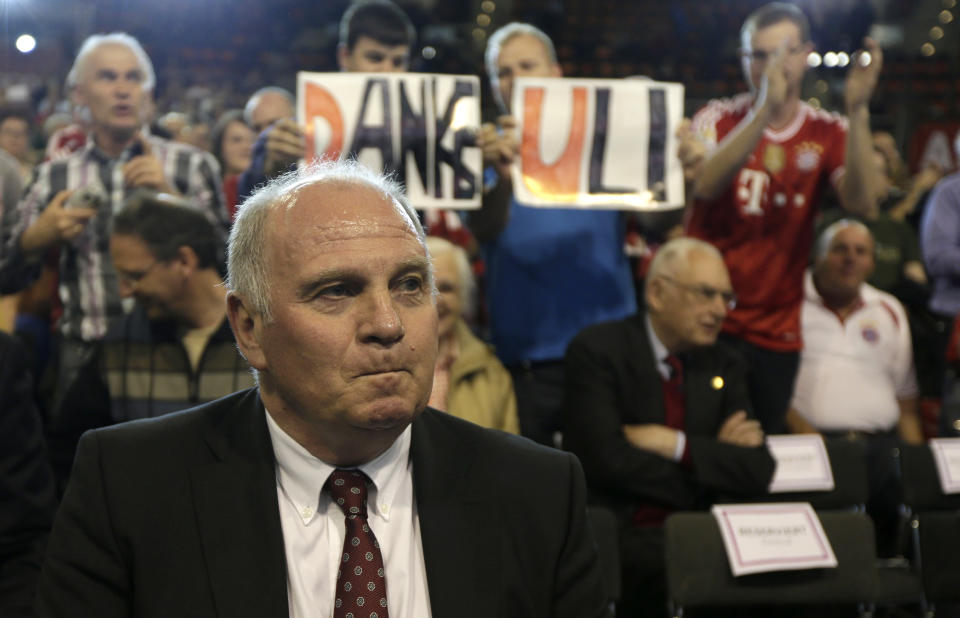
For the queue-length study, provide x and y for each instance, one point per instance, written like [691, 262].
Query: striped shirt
[88, 285]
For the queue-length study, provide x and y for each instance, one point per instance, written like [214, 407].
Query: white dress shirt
[660, 353]
[313, 528]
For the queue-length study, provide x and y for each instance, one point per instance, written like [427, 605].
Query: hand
[926, 178]
[862, 80]
[499, 144]
[145, 170]
[284, 147]
[740, 430]
[56, 224]
[655, 438]
[690, 150]
[773, 88]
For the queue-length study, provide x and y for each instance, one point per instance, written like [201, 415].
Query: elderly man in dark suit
[330, 490]
[659, 413]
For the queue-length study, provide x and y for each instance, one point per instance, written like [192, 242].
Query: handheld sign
[784, 536]
[802, 464]
[598, 143]
[419, 125]
[946, 455]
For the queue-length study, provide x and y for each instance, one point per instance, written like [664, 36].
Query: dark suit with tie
[612, 380]
[178, 516]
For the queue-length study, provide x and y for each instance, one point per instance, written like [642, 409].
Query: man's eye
[411, 284]
[375, 57]
[334, 291]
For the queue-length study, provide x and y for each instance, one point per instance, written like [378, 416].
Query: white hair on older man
[96, 41]
[247, 268]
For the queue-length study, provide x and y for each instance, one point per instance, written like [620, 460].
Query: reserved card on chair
[784, 536]
[946, 454]
[802, 464]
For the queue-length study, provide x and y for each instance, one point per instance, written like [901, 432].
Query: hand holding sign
[499, 144]
[284, 146]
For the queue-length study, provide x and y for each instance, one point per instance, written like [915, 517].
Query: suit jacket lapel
[238, 516]
[648, 387]
[459, 523]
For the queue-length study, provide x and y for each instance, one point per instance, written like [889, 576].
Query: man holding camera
[70, 205]
[71, 201]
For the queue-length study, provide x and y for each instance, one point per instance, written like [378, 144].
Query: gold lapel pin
[716, 383]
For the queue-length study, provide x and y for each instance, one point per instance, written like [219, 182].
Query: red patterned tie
[361, 582]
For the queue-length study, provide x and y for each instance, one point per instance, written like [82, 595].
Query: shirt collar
[302, 476]
[660, 352]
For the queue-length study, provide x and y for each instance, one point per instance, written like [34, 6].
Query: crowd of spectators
[816, 277]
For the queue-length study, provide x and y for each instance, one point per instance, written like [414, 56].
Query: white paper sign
[946, 455]
[802, 464]
[598, 143]
[420, 125]
[785, 536]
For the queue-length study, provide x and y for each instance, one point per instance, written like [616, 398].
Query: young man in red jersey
[755, 190]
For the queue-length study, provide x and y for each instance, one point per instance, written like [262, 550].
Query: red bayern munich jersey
[763, 223]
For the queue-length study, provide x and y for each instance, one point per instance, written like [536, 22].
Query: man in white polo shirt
[856, 375]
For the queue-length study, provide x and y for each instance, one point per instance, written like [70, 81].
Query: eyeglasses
[760, 56]
[131, 278]
[705, 293]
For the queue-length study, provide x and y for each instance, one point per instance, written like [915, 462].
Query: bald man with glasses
[659, 414]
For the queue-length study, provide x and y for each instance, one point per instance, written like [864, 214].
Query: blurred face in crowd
[450, 291]
[236, 147]
[110, 85]
[689, 299]
[156, 285]
[14, 136]
[758, 51]
[370, 56]
[522, 55]
[271, 107]
[846, 262]
[348, 354]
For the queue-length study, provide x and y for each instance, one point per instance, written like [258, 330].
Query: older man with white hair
[658, 412]
[71, 202]
[331, 488]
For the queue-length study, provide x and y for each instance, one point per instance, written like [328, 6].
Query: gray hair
[466, 283]
[677, 250]
[247, 268]
[254, 100]
[96, 41]
[830, 232]
[499, 38]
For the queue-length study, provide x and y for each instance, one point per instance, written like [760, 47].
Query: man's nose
[380, 322]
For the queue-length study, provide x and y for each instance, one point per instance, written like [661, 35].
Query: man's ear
[247, 328]
[342, 55]
[187, 259]
[653, 293]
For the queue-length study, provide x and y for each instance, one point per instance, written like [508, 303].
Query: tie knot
[348, 488]
[676, 368]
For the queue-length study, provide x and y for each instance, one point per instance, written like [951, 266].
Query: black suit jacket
[27, 496]
[612, 380]
[178, 516]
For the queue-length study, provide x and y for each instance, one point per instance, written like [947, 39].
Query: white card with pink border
[783, 536]
[802, 463]
[946, 455]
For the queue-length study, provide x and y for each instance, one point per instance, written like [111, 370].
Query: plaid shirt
[88, 282]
